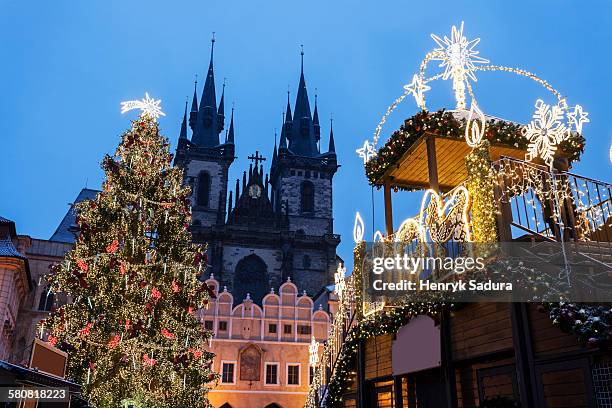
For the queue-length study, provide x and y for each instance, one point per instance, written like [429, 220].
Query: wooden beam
[432, 163]
[388, 208]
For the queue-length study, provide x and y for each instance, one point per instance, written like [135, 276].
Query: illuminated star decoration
[458, 58]
[149, 107]
[417, 88]
[366, 152]
[578, 117]
[545, 132]
[340, 283]
[457, 54]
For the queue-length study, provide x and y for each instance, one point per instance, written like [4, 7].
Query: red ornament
[175, 287]
[112, 248]
[148, 361]
[167, 334]
[52, 340]
[85, 331]
[82, 265]
[121, 269]
[155, 294]
[112, 343]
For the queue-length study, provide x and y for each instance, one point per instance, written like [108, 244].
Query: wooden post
[388, 208]
[362, 396]
[448, 366]
[523, 355]
[432, 163]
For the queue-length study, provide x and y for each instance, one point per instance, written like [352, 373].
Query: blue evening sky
[66, 65]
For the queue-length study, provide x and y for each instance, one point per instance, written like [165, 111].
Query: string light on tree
[545, 132]
[150, 107]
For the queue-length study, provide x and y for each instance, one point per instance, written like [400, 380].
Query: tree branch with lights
[131, 331]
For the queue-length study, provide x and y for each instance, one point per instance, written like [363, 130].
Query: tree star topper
[417, 88]
[149, 106]
[366, 152]
[545, 132]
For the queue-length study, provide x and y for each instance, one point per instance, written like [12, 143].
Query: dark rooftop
[67, 230]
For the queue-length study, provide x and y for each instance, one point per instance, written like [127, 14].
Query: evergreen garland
[442, 123]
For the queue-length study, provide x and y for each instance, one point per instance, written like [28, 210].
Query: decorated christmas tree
[131, 330]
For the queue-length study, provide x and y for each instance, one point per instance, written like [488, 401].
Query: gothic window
[46, 300]
[203, 196]
[251, 276]
[306, 262]
[307, 197]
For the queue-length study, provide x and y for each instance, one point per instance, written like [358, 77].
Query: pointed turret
[302, 140]
[230, 135]
[284, 131]
[207, 133]
[183, 134]
[221, 111]
[332, 144]
[193, 114]
[315, 121]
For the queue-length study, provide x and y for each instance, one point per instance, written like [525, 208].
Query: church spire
[332, 144]
[207, 133]
[221, 110]
[193, 114]
[283, 138]
[302, 139]
[230, 136]
[183, 134]
[315, 120]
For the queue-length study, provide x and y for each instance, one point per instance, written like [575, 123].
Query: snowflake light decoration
[545, 132]
[149, 107]
[366, 152]
[578, 117]
[417, 88]
[340, 282]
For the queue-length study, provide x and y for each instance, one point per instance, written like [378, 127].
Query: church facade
[273, 225]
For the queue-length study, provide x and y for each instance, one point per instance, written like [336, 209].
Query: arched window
[307, 197]
[203, 196]
[46, 300]
[273, 405]
[251, 276]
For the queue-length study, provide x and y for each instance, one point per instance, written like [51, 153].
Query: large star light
[366, 152]
[458, 55]
[545, 132]
[417, 88]
[578, 117]
[149, 107]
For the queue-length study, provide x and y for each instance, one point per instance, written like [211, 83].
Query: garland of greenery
[374, 325]
[592, 324]
[445, 124]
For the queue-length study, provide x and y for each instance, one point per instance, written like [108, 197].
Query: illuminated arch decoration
[460, 60]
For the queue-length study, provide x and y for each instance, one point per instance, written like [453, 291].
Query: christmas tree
[131, 330]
